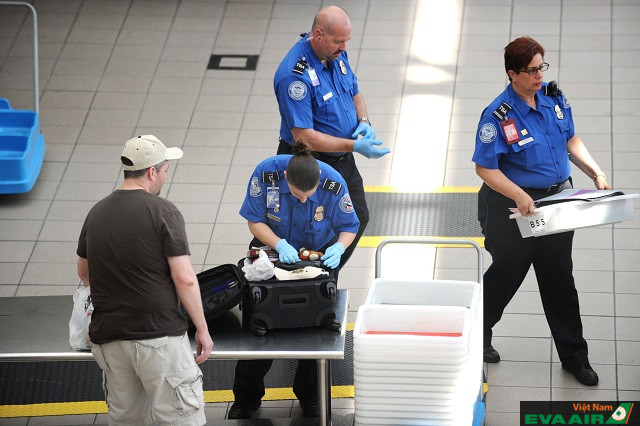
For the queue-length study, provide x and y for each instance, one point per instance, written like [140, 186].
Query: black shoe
[584, 374]
[490, 355]
[242, 411]
[309, 410]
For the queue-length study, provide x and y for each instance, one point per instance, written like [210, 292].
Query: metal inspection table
[37, 329]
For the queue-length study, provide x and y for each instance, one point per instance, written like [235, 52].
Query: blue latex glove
[332, 255]
[367, 147]
[365, 130]
[286, 251]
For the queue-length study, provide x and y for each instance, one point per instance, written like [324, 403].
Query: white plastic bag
[261, 269]
[80, 319]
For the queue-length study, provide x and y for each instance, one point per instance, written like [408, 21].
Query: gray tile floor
[110, 69]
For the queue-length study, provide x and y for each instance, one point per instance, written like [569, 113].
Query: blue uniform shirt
[312, 224]
[538, 158]
[312, 96]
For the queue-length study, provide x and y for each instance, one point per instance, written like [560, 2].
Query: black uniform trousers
[346, 166]
[248, 384]
[512, 257]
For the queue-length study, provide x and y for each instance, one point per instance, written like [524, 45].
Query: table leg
[324, 392]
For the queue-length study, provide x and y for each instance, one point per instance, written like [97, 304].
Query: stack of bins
[418, 353]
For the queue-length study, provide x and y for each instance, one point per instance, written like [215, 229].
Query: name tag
[328, 96]
[273, 217]
[525, 141]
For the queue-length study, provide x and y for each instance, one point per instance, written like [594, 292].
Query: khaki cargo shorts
[155, 380]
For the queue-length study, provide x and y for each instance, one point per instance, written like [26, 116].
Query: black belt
[322, 156]
[329, 158]
[553, 189]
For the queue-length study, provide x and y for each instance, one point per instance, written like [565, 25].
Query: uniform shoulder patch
[270, 177]
[255, 189]
[300, 66]
[345, 204]
[487, 133]
[502, 110]
[297, 90]
[332, 186]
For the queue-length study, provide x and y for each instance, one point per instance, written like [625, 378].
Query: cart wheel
[331, 322]
[259, 328]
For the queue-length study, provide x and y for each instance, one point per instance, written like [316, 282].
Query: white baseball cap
[146, 151]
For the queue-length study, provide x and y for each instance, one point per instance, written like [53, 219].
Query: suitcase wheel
[256, 295]
[330, 289]
[258, 327]
[331, 322]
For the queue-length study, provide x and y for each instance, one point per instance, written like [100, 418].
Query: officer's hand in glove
[332, 255]
[367, 147]
[286, 251]
[365, 130]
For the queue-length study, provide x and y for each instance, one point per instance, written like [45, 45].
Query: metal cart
[478, 409]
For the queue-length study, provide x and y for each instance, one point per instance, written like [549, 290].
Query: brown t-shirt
[126, 239]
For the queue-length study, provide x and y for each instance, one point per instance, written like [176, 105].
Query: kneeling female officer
[293, 201]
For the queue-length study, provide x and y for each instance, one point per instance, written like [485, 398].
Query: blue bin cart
[22, 145]
[22, 148]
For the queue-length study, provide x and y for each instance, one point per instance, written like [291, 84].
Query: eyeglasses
[534, 70]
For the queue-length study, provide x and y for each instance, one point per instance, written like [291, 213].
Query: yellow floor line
[99, 407]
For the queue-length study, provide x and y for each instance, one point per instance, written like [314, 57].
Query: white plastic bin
[427, 293]
[570, 215]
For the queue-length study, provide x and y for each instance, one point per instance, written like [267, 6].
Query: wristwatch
[365, 119]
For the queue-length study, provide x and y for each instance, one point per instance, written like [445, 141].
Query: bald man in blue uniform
[320, 104]
[293, 202]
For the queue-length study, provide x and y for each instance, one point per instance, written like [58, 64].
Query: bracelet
[365, 119]
[597, 175]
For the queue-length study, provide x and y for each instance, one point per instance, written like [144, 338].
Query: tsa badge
[343, 67]
[559, 113]
[255, 189]
[319, 214]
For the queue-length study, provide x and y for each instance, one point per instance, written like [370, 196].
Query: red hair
[519, 53]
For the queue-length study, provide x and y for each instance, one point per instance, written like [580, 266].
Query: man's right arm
[83, 270]
[188, 290]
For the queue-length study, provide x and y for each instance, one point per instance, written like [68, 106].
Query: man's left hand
[365, 130]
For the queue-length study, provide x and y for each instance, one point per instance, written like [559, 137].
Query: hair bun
[299, 147]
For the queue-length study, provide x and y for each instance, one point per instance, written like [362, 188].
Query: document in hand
[574, 209]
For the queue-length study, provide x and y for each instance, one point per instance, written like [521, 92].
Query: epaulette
[502, 111]
[301, 65]
[270, 177]
[332, 186]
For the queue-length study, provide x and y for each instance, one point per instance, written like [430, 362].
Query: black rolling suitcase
[273, 304]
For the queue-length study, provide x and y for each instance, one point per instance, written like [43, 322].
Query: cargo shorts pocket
[188, 390]
[152, 355]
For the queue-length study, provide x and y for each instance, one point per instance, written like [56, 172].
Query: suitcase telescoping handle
[429, 241]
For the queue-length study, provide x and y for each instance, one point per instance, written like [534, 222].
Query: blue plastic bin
[22, 149]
